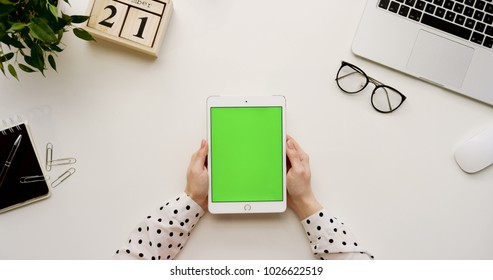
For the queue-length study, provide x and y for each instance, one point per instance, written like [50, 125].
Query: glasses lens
[386, 100]
[351, 80]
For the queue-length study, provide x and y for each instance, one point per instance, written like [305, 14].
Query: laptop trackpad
[439, 59]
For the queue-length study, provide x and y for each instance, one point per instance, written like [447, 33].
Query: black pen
[8, 162]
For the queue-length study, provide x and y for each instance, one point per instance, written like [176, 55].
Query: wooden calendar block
[137, 24]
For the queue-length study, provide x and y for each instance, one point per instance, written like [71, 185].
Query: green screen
[246, 154]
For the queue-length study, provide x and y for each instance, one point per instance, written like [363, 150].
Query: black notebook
[22, 180]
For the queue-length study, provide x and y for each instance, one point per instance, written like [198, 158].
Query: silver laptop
[445, 42]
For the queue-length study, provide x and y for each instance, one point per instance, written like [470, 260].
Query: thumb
[201, 155]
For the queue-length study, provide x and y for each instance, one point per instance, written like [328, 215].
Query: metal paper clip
[34, 178]
[63, 161]
[51, 162]
[49, 155]
[62, 177]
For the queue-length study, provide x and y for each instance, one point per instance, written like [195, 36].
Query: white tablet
[247, 154]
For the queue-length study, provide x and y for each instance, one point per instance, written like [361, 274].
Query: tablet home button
[248, 207]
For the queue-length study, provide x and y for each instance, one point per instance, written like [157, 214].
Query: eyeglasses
[352, 79]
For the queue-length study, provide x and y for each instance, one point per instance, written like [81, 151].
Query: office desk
[133, 122]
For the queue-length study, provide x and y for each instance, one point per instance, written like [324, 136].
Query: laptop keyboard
[468, 19]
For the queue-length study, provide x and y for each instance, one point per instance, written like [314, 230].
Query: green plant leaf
[17, 26]
[53, 10]
[7, 2]
[12, 71]
[62, 22]
[66, 18]
[79, 19]
[6, 57]
[26, 68]
[52, 62]
[36, 59]
[9, 41]
[60, 33]
[83, 34]
[6, 9]
[55, 48]
[39, 29]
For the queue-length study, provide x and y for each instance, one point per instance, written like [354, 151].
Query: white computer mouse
[477, 153]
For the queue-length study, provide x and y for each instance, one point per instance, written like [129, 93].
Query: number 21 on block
[139, 24]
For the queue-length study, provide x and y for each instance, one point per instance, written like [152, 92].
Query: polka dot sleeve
[331, 239]
[162, 235]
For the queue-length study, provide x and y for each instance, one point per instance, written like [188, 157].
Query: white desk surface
[133, 122]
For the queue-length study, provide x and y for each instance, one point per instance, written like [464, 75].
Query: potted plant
[31, 32]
